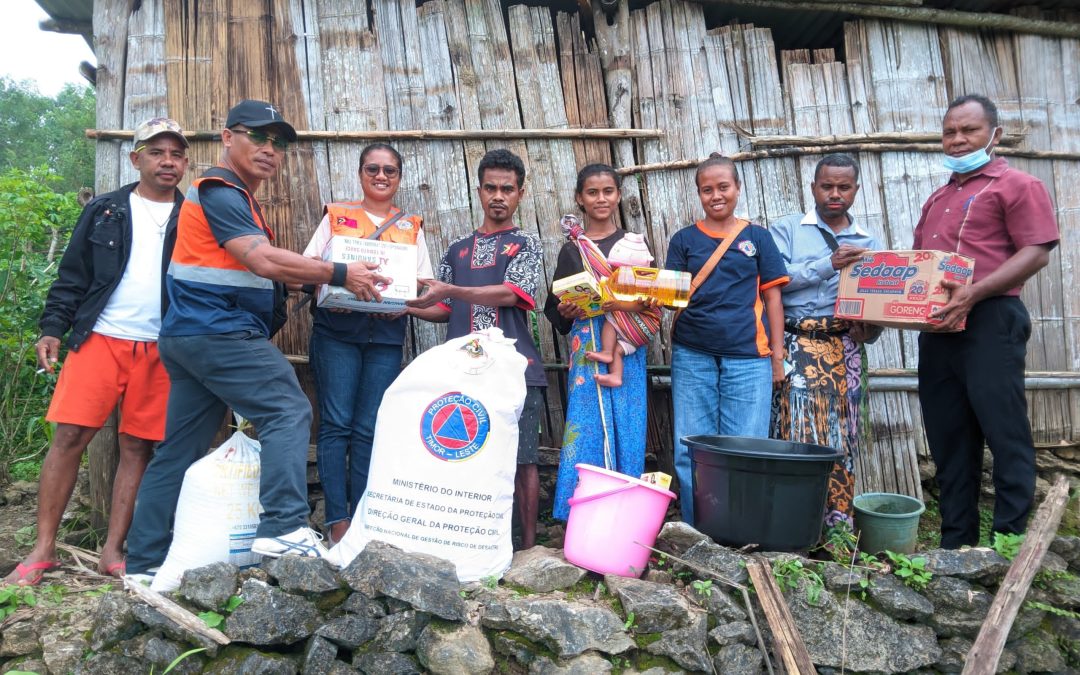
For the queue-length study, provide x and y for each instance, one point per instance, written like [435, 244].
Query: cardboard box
[900, 288]
[397, 261]
[582, 290]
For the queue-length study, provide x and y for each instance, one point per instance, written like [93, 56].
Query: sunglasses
[388, 169]
[261, 138]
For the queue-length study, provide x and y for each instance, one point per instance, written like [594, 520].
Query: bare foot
[608, 380]
[338, 530]
[599, 357]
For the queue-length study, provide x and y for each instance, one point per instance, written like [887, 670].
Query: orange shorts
[106, 370]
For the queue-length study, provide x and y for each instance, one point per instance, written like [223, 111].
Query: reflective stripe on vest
[349, 219]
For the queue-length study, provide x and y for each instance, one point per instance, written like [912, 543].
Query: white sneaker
[304, 542]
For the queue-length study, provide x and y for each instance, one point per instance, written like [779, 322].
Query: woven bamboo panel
[479, 64]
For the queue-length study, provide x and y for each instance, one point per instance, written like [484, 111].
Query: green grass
[29, 470]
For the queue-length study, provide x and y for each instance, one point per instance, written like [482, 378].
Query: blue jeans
[243, 371]
[350, 380]
[715, 395]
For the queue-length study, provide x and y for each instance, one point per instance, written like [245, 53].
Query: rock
[319, 655]
[678, 537]
[296, 574]
[1067, 630]
[656, 607]
[841, 580]
[27, 664]
[541, 569]
[358, 603]
[1063, 590]
[511, 644]
[586, 664]
[61, 652]
[269, 616]
[897, 600]
[959, 607]
[19, 491]
[954, 651]
[210, 587]
[349, 631]
[386, 663]
[658, 576]
[718, 559]
[1052, 562]
[154, 620]
[113, 622]
[1068, 547]
[686, 645]
[975, 564]
[19, 639]
[733, 632]
[448, 649]
[107, 663]
[399, 632]
[1038, 652]
[875, 642]
[567, 628]
[159, 653]
[738, 659]
[235, 659]
[427, 583]
[722, 606]
[341, 668]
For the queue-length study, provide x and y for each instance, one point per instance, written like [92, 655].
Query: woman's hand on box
[569, 310]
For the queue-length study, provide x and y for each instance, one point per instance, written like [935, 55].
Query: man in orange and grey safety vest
[215, 345]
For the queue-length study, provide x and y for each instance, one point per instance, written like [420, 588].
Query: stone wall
[393, 612]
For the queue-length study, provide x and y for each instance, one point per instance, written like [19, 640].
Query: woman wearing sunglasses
[355, 356]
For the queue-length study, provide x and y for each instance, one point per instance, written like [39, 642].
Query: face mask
[971, 161]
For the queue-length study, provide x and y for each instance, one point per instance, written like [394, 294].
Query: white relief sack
[444, 456]
[217, 512]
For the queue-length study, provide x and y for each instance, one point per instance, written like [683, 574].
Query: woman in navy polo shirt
[728, 344]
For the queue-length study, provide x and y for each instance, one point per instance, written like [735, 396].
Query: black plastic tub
[760, 491]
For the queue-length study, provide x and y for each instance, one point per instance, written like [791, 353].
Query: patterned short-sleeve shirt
[509, 257]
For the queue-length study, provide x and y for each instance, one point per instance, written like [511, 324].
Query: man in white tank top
[108, 299]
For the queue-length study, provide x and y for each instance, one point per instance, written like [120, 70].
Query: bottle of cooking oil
[669, 287]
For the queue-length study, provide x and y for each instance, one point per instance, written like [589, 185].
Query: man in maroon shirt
[971, 381]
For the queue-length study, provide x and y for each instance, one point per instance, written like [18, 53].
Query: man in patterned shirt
[491, 278]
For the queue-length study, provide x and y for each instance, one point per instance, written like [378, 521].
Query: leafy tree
[35, 223]
[37, 130]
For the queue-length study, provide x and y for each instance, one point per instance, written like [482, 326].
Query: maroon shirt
[989, 217]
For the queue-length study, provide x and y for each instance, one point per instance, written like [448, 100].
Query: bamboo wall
[357, 65]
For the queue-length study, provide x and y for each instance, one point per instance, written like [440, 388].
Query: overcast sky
[29, 53]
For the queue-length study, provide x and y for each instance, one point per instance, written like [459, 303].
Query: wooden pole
[787, 643]
[794, 151]
[942, 17]
[415, 134]
[985, 653]
[874, 137]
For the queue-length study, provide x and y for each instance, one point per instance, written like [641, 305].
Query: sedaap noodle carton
[397, 261]
[900, 288]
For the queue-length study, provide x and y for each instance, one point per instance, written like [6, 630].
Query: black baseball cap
[255, 114]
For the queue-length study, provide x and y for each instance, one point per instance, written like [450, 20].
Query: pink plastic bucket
[608, 513]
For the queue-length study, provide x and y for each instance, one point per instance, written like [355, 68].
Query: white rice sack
[217, 512]
[445, 452]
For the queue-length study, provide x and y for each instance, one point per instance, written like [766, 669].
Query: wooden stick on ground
[175, 612]
[787, 642]
[985, 653]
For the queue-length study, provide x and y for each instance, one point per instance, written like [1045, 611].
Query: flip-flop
[111, 570]
[24, 572]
